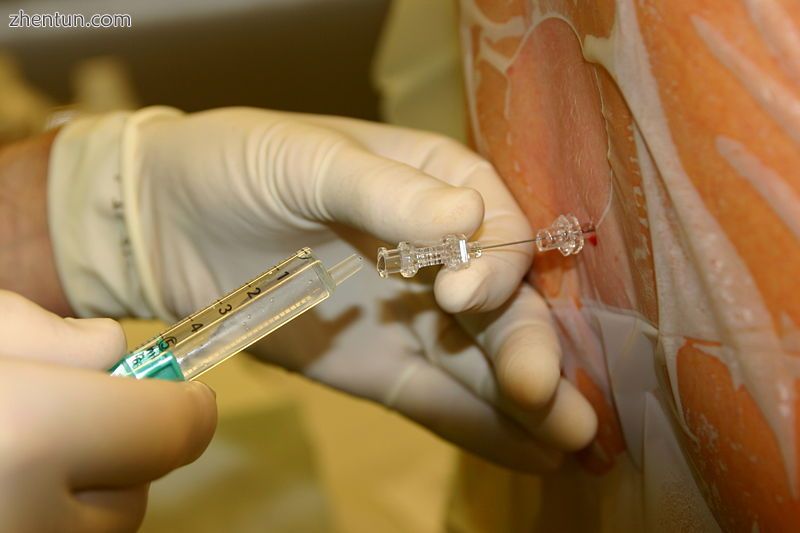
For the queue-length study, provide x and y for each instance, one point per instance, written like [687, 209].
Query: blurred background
[308, 55]
[289, 455]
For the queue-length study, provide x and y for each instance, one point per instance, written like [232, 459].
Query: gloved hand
[203, 202]
[78, 448]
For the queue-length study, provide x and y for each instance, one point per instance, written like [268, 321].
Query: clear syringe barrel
[237, 320]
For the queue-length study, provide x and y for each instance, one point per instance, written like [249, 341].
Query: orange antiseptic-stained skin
[629, 199]
[596, 19]
[599, 457]
[563, 134]
[542, 116]
[700, 113]
[674, 126]
[503, 10]
[737, 455]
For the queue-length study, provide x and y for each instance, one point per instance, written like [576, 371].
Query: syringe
[208, 337]
[566, 234]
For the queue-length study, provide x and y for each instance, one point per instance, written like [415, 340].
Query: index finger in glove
[111, 431]
[33, 333]
[491, 280]
[391, 200]
[522, 346]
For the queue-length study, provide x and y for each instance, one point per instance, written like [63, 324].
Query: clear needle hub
[566, 234]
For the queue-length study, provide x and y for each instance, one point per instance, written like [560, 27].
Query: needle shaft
[587, 229]
[507, 244]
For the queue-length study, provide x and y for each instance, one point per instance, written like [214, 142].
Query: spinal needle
[454, 252]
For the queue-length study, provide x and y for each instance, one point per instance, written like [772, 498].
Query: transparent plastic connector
[566, 234]
[454, 252]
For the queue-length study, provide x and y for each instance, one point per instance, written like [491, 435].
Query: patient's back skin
[674, 126]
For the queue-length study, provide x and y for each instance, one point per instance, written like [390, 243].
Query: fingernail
[204, 386]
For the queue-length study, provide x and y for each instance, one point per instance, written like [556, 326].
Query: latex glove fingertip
[571, 423]
[480, 287]
[443, 210]
[204, 415]
[462, 291]
[528, 374]
[464, 208]
[97, 342]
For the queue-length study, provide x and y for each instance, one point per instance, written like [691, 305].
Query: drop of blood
[592, 239]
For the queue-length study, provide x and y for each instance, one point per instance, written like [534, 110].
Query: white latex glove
[78, 448]
[208, 200]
